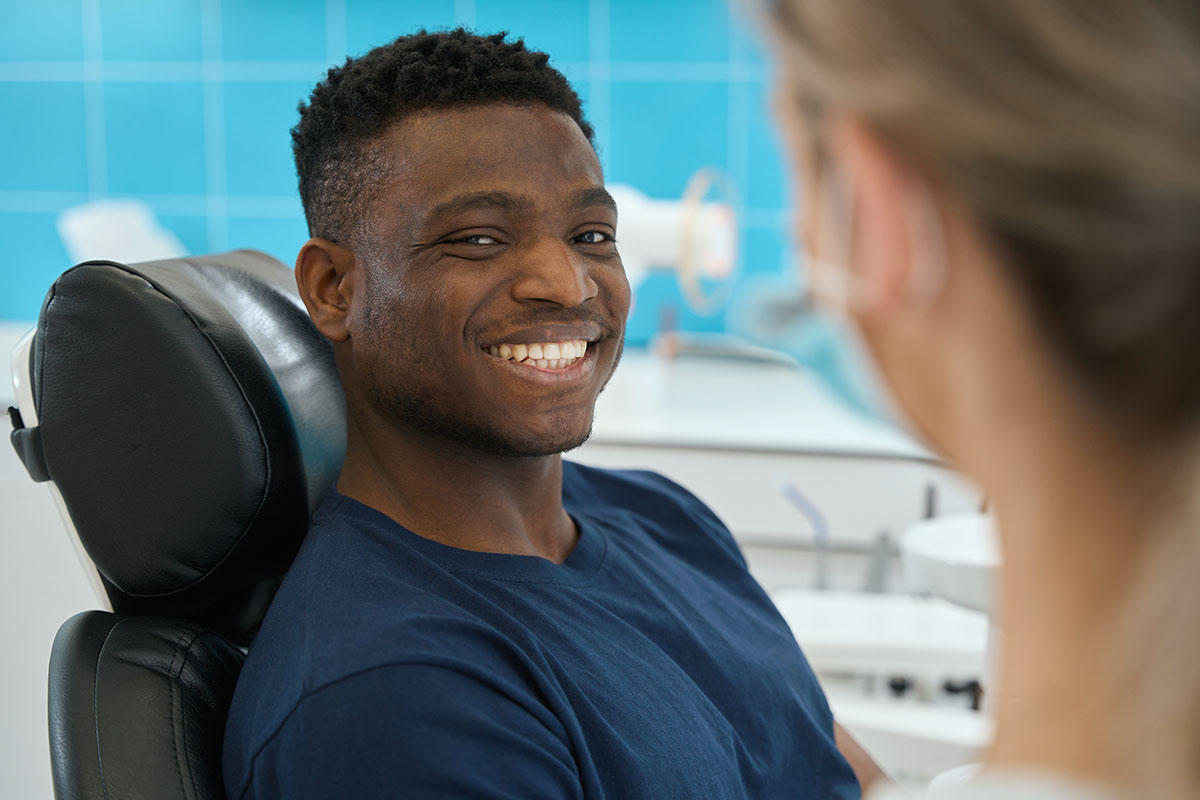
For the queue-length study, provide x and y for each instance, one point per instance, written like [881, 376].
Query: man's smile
[543, 355]
[545, 362]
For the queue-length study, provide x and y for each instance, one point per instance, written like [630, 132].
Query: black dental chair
[189, 417]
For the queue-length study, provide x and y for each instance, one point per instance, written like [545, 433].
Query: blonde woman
[1004, 196]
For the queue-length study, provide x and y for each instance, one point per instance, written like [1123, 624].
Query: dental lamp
[695, 236]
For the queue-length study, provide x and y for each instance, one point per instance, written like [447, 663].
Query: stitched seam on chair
[196, 635]
[96, 705]
[179, 734]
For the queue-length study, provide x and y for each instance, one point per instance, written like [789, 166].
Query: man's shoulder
[294, 658]
[650, 502]
[355, 599]
[346, 606]
[623, 487]
[420, 668]
[640, 491]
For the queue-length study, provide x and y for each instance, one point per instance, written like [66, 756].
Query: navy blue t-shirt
[648, 665]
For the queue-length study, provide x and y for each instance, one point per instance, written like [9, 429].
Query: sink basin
[955, 557]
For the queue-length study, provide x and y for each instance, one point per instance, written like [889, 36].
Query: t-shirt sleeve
[416, 730]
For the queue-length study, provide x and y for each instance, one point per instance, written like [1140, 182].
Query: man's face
[492, 301]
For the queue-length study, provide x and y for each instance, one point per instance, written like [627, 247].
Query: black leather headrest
[191, 417]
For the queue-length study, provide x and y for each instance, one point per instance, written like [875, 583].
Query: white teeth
[545, 355]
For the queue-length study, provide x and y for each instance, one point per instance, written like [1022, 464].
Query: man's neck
[459, 496]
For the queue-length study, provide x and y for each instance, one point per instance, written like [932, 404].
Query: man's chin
[551, 444]
[557, 437]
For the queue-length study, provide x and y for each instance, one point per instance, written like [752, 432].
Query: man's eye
[593, 237]
[478, 238]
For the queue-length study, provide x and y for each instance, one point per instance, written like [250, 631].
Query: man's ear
[326, 274]
[886, 249]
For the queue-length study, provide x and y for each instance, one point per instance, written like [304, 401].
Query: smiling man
[470, 616]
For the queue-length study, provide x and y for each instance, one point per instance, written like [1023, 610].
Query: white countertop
[726, 403]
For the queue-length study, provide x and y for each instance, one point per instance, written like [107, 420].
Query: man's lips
[548, 333]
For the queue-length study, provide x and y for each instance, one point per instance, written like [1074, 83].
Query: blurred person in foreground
[1005, 199]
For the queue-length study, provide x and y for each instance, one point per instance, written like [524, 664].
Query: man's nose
[553, 272]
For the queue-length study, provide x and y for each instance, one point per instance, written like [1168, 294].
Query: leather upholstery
[139, 707]
[190, 415]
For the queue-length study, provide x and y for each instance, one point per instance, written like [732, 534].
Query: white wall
[41, 585]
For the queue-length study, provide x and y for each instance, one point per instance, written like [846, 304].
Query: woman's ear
[326, 274]
[889, 252]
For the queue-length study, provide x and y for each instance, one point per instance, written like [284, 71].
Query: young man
[470, 616]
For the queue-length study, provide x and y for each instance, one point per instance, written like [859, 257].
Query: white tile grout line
[262, 206]
[464, 13]
[216, 205]
[738, 126]
[599, 77]
[89, 71]
[93, 93]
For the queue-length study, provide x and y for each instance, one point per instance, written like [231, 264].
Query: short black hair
[358, 101]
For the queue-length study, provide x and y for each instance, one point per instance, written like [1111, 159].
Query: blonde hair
[1071, 130]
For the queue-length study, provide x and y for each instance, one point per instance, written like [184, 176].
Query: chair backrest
[189, 417]
[138, 708]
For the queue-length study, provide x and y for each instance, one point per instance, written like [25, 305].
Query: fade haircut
[360, 100]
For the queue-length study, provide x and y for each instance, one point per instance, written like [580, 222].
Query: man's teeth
[544, 355]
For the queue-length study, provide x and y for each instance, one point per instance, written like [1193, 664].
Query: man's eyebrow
[506, 201]
[595, 196]
[503, 201]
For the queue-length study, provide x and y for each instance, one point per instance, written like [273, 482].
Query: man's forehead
[488, 136]
[527, 151]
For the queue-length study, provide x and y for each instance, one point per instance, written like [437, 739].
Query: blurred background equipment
[117, 230]
[695, 236]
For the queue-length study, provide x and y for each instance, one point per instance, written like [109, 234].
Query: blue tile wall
[154, 134]
[192, 230]
[281, 237]
[30, 239]
[187, 104]
[47, 150]
[670, 32]
[662, 131]
[50, 30]
[273, 30]
[370, 23]
[763, 173]
[259, 116]
[136, 30]
[558, 28]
